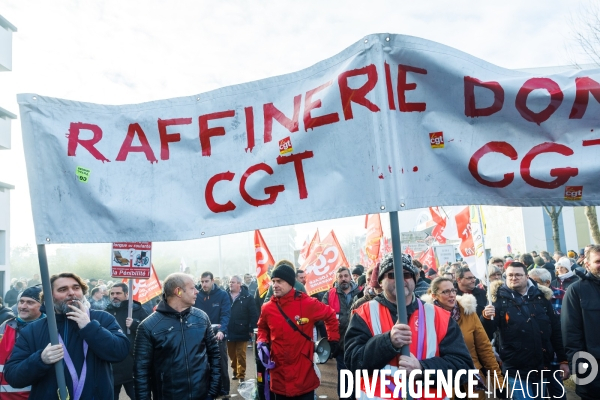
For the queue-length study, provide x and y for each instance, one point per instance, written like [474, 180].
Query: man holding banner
[89, 341]
[374, 339]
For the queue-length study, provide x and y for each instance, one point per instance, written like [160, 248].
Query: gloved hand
[335, 349]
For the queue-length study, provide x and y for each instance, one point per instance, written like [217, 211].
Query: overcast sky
[117, 52]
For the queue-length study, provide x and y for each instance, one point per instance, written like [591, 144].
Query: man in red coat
[291, 349]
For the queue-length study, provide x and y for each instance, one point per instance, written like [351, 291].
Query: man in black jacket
[340, 299]
[118, 306]
[371, 345]
[242, 322]
[580, 315]
[529, 331]
[465, 283]
[176, 353]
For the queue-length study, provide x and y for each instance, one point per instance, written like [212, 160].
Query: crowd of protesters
[534, 313]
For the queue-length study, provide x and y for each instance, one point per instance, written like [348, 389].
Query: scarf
[454, 313]
[566, 276]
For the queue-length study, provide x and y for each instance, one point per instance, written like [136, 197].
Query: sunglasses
[407, 275]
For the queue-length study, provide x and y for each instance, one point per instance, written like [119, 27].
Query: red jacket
[294, 374]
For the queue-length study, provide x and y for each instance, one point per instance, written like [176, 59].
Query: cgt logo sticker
[573, 193]
[285, 145]
[436, 139]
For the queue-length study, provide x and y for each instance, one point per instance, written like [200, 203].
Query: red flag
[264, 263]
[374, 235]
[387, 246]
[321, 264]
[409, 251]
[145, 290]
[304, 250]
[437, 234]
[428, 258]
[437, 217]
[463, 226]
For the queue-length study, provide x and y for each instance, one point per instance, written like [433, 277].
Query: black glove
[335, 349]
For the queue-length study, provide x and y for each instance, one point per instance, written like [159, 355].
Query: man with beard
[28, 311]
[89, 341]
[580, 315]
[340, 299]
[375, 338]
[119, 303]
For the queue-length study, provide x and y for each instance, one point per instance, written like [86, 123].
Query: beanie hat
[283, 270]
[33, 293]
[357, 271]
[571, 254]
[387, 265]
[431, 272]
[564, 262]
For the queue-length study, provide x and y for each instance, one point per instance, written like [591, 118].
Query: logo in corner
[573, 193]
[589, 368]
[436, 139]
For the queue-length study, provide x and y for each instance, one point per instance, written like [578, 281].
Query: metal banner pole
[399, 276]
[130, 302]
[51, 317]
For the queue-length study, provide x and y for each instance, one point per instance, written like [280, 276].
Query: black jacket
[479, 294]
[107, 344]
[10, 297]
[5, 314]
[345, 307]
[365, 351]
[216, 304]
[529, 330]
[176, 356]
[580, 315]
[243, 318]
[123, 371]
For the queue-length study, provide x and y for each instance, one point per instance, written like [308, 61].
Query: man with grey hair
[175, 349]
[242, 322]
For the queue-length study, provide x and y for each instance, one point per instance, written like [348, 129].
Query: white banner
[391, 123]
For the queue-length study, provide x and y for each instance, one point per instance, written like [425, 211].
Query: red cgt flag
[264, 263]
[409, 251]
[428, 258]
[374, 235]
[463, 226]
[145, 290]
[321, 264]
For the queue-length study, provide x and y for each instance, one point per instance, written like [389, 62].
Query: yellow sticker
[83, 174]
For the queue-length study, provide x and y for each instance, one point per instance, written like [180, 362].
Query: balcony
[6, 31]
[5, 117]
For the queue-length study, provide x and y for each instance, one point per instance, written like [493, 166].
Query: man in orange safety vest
[374, 338]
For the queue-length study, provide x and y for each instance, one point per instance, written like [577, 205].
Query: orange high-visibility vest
[6, 346]
[379, 320]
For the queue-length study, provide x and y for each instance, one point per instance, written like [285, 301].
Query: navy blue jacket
[107, 344]
[217, 305]
[243, 317]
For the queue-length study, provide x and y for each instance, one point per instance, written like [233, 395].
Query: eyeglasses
[448, 291]
[407, 275]
[518, 276]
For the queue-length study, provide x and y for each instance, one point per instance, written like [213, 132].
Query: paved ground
[327, 390]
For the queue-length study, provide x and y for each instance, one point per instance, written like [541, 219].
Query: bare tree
[592, 217]
[554, 213]
[586, 32]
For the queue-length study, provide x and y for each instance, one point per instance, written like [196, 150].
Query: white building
[6, 31]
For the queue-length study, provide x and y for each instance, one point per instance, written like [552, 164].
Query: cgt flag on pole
[145, 290]
[321, 264]
[373, 240]
[264, 263]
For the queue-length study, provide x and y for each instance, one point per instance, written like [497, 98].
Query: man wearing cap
[374, 338]
[285, 329]
[28, 311]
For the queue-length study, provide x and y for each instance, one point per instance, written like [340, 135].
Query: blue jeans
[526, 390]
